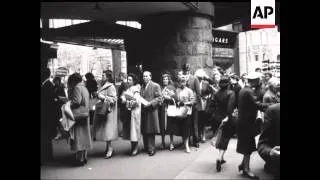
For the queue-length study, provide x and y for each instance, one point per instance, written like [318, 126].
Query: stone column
[170, 40]
[116, 61]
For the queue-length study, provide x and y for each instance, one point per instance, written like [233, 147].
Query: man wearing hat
[248, 108]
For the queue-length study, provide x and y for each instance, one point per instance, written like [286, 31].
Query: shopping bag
[172, 109]
[182, 112]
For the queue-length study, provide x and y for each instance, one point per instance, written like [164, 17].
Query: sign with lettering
[223, 52]
[224, 39]
[263, 14]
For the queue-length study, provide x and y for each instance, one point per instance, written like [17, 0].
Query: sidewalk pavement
[165, 164]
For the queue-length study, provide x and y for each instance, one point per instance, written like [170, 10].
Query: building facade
[260, 49]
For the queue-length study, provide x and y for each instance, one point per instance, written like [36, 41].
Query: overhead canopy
[93, 33]
[112, 11]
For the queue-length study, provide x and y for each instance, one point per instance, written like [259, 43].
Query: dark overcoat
[150, 117]
[247, 108]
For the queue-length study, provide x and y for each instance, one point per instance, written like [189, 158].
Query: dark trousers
[149, 142]
[203, 121]
[195, 126]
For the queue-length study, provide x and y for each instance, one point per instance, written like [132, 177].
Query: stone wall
[168, 41]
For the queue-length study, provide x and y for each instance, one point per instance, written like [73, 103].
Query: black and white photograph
[160, 90]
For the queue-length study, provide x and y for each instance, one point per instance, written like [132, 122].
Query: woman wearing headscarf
[79, 103]
[105, 127]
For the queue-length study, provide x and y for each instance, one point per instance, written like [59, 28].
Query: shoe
[151, 153]
[240, 167]
[145, 150]
[134, 152]
[171, 147]
[249, 175]
[197, 145]
[109, 154]
[223, 161]
[85, 161]
[78, 163]
[203, 139]
[188, 150]
[218, 165]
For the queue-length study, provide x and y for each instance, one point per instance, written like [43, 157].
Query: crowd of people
[181, 104]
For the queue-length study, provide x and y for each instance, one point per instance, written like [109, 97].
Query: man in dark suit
[48, 121]
[194, 84]
[269, 140]
[151, 92]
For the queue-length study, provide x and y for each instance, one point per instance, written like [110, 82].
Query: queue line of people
[143, 112]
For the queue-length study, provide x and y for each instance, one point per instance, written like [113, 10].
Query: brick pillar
[168, 41]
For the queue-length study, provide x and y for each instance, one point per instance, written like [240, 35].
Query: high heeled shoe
[109, 154]
[250, 175]
[171, 147]
[134, 152]
[188, 150]
[240, 167]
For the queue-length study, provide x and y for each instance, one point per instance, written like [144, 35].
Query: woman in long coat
[225, 101]
[132, 113]
[79, 102]
[168, 92]
[248, 108]
[105, 127]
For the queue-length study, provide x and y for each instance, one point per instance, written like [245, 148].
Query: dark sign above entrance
[224, 39]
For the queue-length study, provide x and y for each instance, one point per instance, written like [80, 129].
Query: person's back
[222, 98]
[270, 139]
[246, 105]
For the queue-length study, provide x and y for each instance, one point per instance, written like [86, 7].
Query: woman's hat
[254, 75]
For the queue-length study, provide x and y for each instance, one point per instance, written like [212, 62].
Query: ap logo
[263, 14]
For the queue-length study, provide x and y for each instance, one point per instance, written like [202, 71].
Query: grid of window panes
[57, 23]
[123, 62]
[133, 24]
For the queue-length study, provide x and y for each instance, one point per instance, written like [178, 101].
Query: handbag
[172, 109]
[92, 103]
[67, 121]
[102, 107]
[182, 112]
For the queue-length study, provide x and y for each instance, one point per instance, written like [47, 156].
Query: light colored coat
[132, 130]
[105, 128]
[81, 130]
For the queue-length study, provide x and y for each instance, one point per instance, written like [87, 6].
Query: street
[165, 164]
